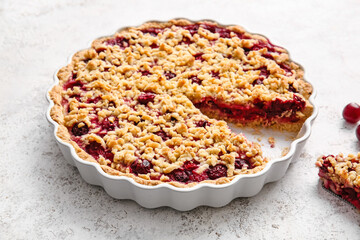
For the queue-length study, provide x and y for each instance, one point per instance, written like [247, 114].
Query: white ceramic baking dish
[203, 194]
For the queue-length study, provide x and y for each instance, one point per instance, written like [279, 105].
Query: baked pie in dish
[341, 175]
[149, 102]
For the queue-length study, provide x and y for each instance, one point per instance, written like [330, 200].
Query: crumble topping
[132, 100]
[340, 169]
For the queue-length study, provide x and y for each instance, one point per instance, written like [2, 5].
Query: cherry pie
[144, 102]
[341, 175]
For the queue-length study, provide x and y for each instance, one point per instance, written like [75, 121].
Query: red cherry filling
[145, 98]
[215, 74]
[145, 73]
[198, 56]
[96, 150]
[191, 28]
[152, 31]
[217, 171]
[202, 123]
[348, 194]
[223, 32]
[196, 80]
[187, 174]
[141, 167]
[109, 125]
[154, 45]
[186, 41]
[179, 175]
[243, 161]
[292, 89]
[260, 110]
[94, 100]
[351, 113]
[73, 83]
[79, 131]
[163, 135]
[169, 75]
[120, 41]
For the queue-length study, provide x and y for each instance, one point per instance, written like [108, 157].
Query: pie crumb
[271, 140]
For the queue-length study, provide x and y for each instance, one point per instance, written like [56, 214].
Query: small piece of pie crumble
[341, 175]
[150, 102]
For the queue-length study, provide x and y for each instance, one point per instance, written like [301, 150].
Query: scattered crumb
[275, 226]
[271, 140]
[256, 131]
[284, 151]
[259, 139]
[291, 138]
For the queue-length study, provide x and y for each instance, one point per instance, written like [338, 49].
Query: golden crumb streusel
[132, 101]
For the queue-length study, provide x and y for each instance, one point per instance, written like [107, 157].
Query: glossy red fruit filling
[286, 67]
[120, 41]
[243, 161]
[223, 32]
[141, 166]
[96, 150]
[71, 83]
[202, 123]
[264, 73]
[215, 74]
[191, 28]
[351, 113]
[154, 45]
[163, 135]
[187, 174]
[292, 88]
[94, 100]
[145, 73]
[105, 125]
[198, 56]
[348, 194]
[108, 125]
[152, 31]
[217, 171]
[112, 104]
[259, 110]
[169, 75]
[179, 175]
[79, 131]
[196, 80]
[145, 98]
[186, 41]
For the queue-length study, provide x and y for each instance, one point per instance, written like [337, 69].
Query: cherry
[358, 132]
[179, 175]
[351, 113]
[163, 135]
[169, 75]
[217, 171]
[79, 131]
[145, 98]
[202, 123]
[195, 79]
[142, 167]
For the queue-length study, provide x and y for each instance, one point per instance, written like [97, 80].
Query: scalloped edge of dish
[183, 199]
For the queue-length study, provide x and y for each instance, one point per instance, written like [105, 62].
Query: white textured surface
[42, 197]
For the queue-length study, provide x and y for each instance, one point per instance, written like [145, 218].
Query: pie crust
[132, 101]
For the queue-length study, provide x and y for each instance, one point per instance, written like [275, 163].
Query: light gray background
[42, 197]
